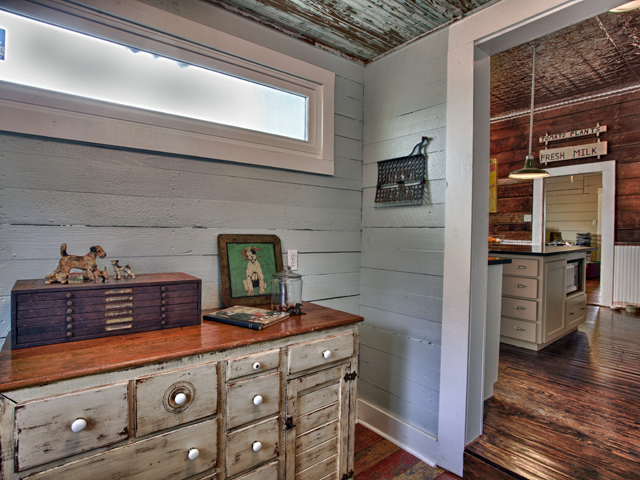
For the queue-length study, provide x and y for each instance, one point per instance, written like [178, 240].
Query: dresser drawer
[520, 287]
[314, 354]
[44, 427]
[252, 446]
[518, 308]
[518, 329]
[521, 267]
[159, 458]
[261, 362]
[170, 399]
[268, 472]
[253, 399]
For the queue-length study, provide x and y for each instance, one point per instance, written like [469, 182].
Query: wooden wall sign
[572, 153]
[597, 130]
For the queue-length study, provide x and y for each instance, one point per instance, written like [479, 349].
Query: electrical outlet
[527, 218]
[595, 222]
[292, 259]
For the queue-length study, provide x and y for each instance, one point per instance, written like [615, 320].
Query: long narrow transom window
[56, 59]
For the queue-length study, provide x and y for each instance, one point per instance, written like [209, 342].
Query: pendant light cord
[533, 91]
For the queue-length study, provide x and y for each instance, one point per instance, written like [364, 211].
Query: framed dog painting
[247, 263]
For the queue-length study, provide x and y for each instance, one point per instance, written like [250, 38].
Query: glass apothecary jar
[286, 290]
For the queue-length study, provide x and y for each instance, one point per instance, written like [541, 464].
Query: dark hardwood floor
[593, 291]
[379, 459]
[568, 412]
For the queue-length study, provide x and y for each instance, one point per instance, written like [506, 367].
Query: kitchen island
[543, 293]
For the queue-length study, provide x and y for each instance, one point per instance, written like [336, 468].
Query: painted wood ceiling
[598, 55]
[358, 29]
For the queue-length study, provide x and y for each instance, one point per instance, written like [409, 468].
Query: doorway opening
[605, 224]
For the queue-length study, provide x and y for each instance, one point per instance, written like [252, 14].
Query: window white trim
[36, 112]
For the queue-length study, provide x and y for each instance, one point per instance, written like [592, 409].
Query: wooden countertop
[33, 366]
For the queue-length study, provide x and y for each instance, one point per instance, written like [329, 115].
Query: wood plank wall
[403, 247]
[163, 212]
[509, 144]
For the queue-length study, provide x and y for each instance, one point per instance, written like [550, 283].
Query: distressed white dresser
[210, 401]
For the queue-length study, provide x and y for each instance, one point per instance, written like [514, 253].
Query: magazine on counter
[249, 317]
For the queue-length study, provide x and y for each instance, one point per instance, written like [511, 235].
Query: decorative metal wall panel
[401, 180]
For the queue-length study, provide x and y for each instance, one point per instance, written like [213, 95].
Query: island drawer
[519, 308]
[576, 311]
[522, 267]
[518, 329]
[520, 287]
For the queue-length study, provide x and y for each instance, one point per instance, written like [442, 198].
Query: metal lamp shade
[529, 171]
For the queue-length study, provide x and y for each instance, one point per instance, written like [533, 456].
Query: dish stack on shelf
[583, 239]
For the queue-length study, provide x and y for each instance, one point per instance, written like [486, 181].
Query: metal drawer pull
[256, 446]
[326, 354]
[180, 398]
[256, 366]
[520, 307]
[571, 313]
[583, 308]
[78, 425]
[193, 453]
[257, 400]
[521, 267]
[519, 285]
[520, 329]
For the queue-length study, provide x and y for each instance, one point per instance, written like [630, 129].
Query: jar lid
[286, 274]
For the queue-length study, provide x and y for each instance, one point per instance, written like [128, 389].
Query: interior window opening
[44, 56]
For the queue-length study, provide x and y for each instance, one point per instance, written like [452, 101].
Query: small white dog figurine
[125, 270]
[254, 277]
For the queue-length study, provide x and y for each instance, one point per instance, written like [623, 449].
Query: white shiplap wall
[403, 247]
[163, 212]
[572, 207]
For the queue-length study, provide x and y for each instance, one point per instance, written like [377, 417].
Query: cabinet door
[555, 296]
[320, 425]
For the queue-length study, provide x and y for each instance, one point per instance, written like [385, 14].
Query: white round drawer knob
[256, 366]
[257, 400]
[193, 453]
[180, 398]
[78, 425]
[326, 354]
[256, 446]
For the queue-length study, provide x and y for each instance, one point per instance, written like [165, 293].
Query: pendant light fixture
[529, 171]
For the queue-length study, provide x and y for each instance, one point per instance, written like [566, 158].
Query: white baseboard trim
[417, 443]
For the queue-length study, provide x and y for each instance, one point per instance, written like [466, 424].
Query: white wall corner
[416, 442]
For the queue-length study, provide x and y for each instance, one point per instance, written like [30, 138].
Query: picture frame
[247, 264]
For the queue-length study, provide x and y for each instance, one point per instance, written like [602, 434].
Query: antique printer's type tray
[56, 313]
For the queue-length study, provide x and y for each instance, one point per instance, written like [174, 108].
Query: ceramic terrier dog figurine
[125, 270]
[97, 274]
[67, 262]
